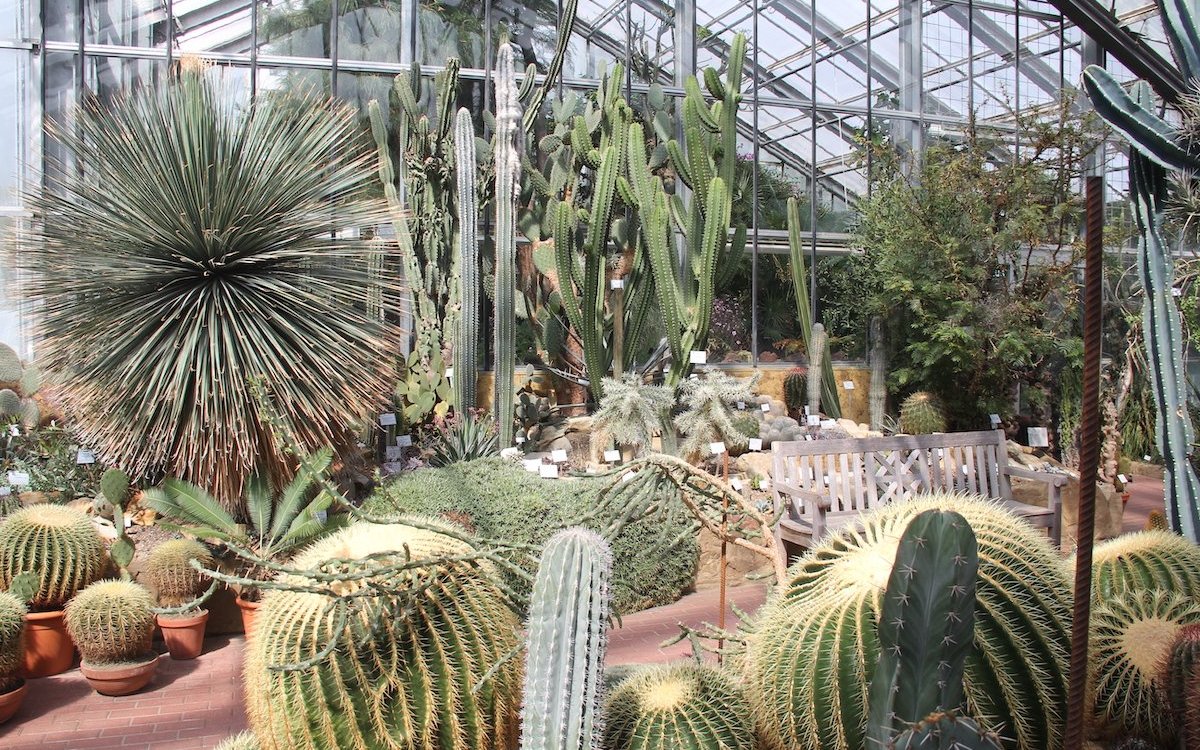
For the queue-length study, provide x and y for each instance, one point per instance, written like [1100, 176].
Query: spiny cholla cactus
[814, 647]
[677, 706]
[12, 641]
[568, 622]
[1131, 636]
[707, 416]
[111, 622]
[631, 412]
[58, 544]
[407, 660]
[1145, 560]
[922, 414]
[169, 570]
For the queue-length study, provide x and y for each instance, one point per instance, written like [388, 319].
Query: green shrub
[501, 500]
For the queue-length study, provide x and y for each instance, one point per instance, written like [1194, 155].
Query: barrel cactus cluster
[921, 414]
[56, 543]
[12, 641]
[170, 572]
[1143, 561]
[111, 622]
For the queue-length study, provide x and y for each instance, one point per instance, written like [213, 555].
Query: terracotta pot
[249, 611]
[122, 680]
[184, 634]
[11, 701]
[48, 648]
[1124, 499]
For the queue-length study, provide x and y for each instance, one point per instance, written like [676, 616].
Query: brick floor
[195, 704]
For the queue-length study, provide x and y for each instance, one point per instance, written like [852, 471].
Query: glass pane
[122, 23]
[295, 28]
[14, 76]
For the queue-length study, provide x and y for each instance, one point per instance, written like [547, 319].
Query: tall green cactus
[568, 620]
[877, 394]
[816, 363]
[508, 170]
[926, 631]
[1156, 148]
[466, 354]
[830, 397]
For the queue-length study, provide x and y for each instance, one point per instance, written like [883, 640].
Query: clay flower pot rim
[11, 701]
[149, 656]
[43, 614]
[184, 619]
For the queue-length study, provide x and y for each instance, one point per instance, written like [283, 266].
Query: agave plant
[279, 524]
[200, 245]
[465, 437]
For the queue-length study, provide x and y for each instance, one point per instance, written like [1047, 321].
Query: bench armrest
[1054, 483]
[1052, 478]
[815, 505]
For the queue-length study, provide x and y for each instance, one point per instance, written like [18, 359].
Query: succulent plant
[817, 341]
[111, 622]
[12, 641]
[1145, 560]
[922, 414]
[568, 623]
[1180, 678]
[10, 365]
[406, 665]
[10, 403]
[631, 412]
[795, 390]
[466, 352]
[60, 545]
[677, 706]
[240, 741]
[507, 164]
[812, 651]
[1157, 521]
[1131, 638]
[707, 417]
[169, 571]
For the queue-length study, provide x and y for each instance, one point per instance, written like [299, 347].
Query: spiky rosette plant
[170, 572]
[240, 741]
[12, 641]
[1131, 638]
[1145, 560]
[58, 545]
[678, 706]
[922, 414]
[631, 412]
[812, 653]
[410, 652]
[207, 243]
[111, 622]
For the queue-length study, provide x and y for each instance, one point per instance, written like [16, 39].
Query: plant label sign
[519, 439]
[532, 464]
[449, 373]
[848, 385]
[548, 471]
[1121, 478]
[698, 357]
[18, 478]
[1176, 291]
[741, 406]
[736, 484]
[814, 420]
[1039, 437]
[393, 453]
[828, 423]
[616, 284]
[558, 456]
[387, 419]
[403, 441]
[84, 456]
[765, 484]
[716, 448]
[765, 408]
[755, 444]
[612, 456]
[995, 418]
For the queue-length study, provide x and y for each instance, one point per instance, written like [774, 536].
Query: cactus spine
[816, 361]
[508, 186]
[813, 650]
[241, 741]
[1157, 147]
[12, 641]
[169, 570]
[568, 619]
[58, 545]
[922, 414]
[877, 394]
[466, 355]
[926, 630]
[1180, 678]
[677, 706]
[1145, 560]
[111, 622]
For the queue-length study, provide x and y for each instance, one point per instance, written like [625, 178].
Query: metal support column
[907, 130]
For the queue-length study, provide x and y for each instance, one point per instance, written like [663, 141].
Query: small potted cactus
[113, 624]
[12, 655]
[60, 552]
[180, 589]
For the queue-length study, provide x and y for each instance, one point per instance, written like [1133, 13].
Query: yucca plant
[279, 523]
[201, 244]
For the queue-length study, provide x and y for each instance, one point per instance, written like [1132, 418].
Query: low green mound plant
[678, 706]
[1145, 560]
[58, 544]
[12, 641]
[170, 572]
[1131, 638]
[921, 414]
[410, 648]
[111, 622]
[812, 650]
[500, 500]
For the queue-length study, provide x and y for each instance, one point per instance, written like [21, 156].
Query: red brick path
[195, 704]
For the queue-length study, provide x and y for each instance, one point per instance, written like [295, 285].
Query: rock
[1144, 469]
[850, 426]
[739, 563]
[753, 465]
[579, 424]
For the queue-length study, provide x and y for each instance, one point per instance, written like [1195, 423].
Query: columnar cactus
[677, 706]
[111, 622]
[1145, 560]
[877, 394]
[813, 650]
[169, 570]
[508, 186]
[408, 669]
[466, 353]
[1131, 636]
[12, 641]
[58, 544]
[830, 396]
[922, 414]
[817, 341]
[1180, 680]
[568, 620]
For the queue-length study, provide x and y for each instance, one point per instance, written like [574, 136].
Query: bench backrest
[863, 473]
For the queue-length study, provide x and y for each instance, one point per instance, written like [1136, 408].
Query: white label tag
[964, 469]
[808, 437]
[848, 385]
[814, 420]
[532, 464]
[449, 373]
[548, 471]
[736, 484]
[716, 448]
[1039, 437]
[765, 407]
[558, 456]
[826, 480]
[387, 419]
[755, 444]
[828, 423]
[1176, 291]
[18, 478]
[84, 456]
[741, 405]
[403, 441]
[519, 439]
[1146, 457]
[765, 484]
[698, 357]
[612, 456]
[14, 430]
[1121, 478]
[629, 476]
[995, 419]
[393, 453]
[616, 284]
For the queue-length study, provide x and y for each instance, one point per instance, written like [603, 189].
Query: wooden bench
[820, 486]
